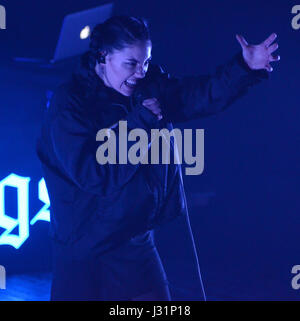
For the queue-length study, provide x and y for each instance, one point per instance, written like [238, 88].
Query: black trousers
[131, 270]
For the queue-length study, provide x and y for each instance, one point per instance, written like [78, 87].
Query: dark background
[244, 208]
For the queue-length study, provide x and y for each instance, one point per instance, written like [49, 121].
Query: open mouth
[130, 84]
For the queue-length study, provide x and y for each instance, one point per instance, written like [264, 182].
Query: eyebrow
[132, 59]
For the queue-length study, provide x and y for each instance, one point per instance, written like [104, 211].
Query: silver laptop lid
[75, 32]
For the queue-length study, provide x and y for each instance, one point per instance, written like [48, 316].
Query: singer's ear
[101, 57]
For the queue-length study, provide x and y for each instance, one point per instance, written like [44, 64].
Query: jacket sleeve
[74, 144]
[191, 97]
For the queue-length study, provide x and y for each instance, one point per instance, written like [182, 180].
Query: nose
[140, 72]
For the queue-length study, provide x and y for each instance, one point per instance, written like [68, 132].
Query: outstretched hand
[259, 56]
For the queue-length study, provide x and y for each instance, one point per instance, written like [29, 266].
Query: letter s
[295, 284]
[296, 19]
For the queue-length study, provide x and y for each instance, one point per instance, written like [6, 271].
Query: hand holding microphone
[154, 106]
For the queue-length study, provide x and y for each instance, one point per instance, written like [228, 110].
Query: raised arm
[190, 97]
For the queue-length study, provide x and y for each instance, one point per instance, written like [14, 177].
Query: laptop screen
[76, 28]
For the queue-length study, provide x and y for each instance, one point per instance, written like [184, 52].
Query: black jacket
[96, 207]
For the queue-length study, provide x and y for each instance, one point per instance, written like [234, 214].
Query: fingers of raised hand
[274, 58]
[269, 68]
[270, 39]
[272, 48]
[243, 42]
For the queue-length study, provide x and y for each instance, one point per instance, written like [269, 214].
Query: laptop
[74, 35]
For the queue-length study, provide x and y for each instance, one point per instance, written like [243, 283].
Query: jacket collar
[93, 84]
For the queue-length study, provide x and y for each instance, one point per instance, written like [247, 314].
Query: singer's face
[123, 68]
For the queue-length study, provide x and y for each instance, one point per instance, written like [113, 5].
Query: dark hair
[115, 33]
